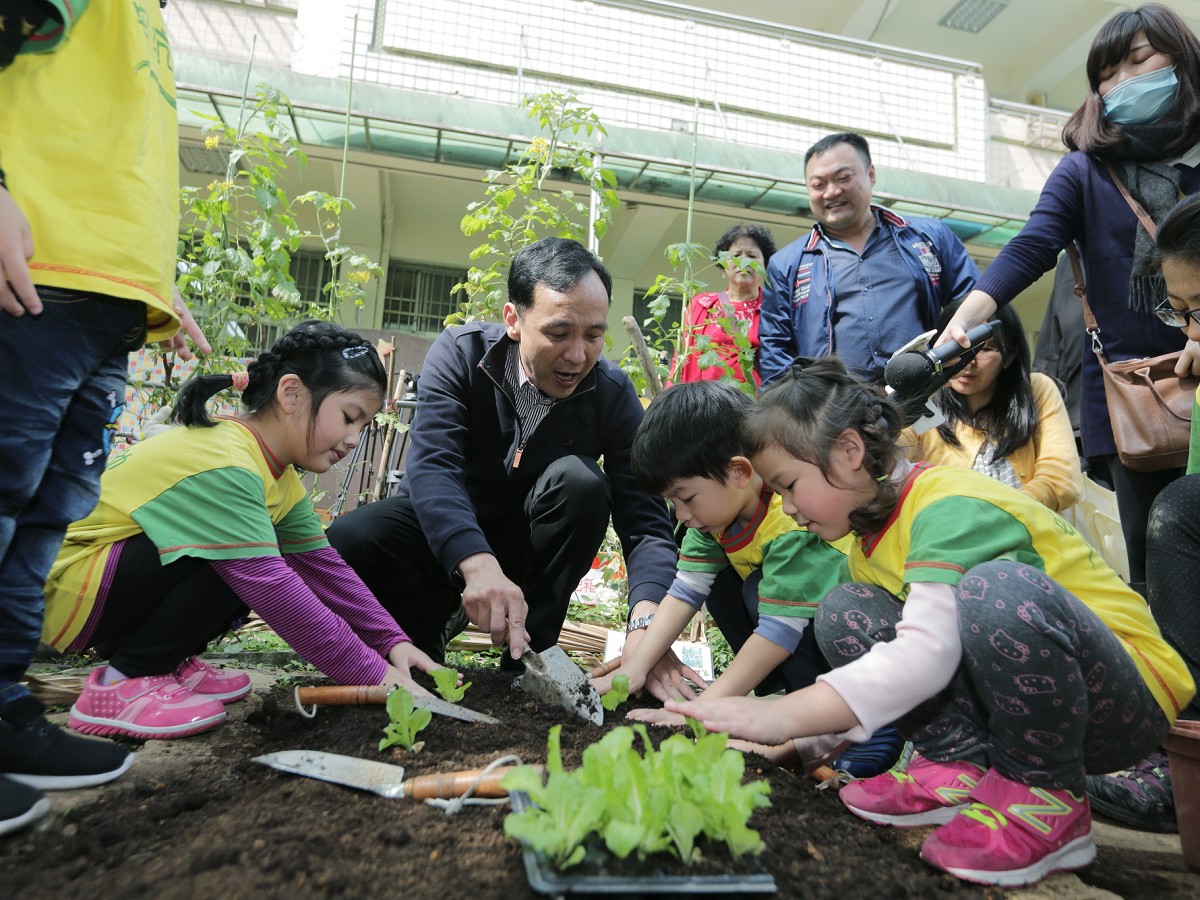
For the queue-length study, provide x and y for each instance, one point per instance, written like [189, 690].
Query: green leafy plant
[446, 683]
[617, 694]
[656, 801]
[406, 721]
[663, 330]
[519, 206]
[239, 233]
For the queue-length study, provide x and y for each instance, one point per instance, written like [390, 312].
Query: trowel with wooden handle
[357, 695]
[385, 779]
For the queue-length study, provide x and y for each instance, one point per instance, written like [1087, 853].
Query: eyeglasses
[1177, 318]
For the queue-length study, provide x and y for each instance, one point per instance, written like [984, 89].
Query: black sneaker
[1140, 796]
[44, 756]
[20, 805]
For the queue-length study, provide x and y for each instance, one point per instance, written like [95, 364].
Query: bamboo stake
[643, 354]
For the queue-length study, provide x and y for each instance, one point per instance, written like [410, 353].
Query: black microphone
[914, 372]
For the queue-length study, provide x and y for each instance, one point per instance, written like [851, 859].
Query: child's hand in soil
[637, 680]
[402, 658]
[762, 721]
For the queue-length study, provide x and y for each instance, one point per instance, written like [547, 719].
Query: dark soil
[196, 818]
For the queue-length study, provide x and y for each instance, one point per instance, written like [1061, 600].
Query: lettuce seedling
[649, 802]
[446, 684]
[406, 721]
[617, 694]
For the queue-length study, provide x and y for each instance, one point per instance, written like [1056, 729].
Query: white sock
[112, 675]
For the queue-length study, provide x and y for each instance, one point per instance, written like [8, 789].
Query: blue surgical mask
[1143, 98]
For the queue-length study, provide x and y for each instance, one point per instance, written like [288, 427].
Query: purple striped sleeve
[269, 587]
[339, 588]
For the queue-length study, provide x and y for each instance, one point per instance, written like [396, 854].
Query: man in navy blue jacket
[865, 281]
[504, 501]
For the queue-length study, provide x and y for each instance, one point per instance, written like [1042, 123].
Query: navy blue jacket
[1080, 202]
[798, 304]
[464, 439]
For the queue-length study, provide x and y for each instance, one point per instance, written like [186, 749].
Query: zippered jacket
[470, 465]
[800, 298]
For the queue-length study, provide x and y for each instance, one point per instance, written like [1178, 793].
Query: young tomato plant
[446, 683]
[406, 721]
[661, 800]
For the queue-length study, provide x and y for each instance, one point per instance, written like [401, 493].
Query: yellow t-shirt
[212, 493]
[89, 141]
[951, 519]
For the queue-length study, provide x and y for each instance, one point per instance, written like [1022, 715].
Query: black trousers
[545, 547]
[157, 616]
[1173, 572]
[1135, 495]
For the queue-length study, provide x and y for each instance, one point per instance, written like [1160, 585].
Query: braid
[325, 357]
[805, 411]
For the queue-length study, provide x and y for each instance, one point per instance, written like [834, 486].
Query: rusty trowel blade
[552, 677]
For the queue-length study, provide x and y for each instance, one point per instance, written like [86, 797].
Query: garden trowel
[359, 695]
[384, 779]
[552, 677]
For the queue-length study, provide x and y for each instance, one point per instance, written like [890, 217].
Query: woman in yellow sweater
[1006, 422]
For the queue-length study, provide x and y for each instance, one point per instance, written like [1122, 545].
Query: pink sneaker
[1013, 834]
[212, 682]
[926, 793]
[153, 706]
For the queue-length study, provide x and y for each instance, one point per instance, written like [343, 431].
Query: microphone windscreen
[908, 374]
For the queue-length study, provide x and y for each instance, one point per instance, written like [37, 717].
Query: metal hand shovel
[382, 778]
[357, 695]
[553, 678]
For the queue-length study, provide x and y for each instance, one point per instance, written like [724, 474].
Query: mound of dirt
[196, 817]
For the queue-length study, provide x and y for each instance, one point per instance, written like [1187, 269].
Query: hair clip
[241, 380]
[356, 351]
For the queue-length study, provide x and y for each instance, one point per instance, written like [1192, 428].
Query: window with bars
[418, 297]
[670, 322]
[311, 271]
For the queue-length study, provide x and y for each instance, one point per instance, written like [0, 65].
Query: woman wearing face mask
[1142, 116]
[1006, 422]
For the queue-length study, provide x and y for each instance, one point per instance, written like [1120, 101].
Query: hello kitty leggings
[1044, 692]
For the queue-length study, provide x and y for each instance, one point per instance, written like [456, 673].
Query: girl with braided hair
[199, 524]
[976, 619]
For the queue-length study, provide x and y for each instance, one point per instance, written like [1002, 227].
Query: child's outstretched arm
[669, 620]
[816, 709]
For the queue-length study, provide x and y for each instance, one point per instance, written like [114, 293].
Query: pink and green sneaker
[1013, 834]
[924, 793]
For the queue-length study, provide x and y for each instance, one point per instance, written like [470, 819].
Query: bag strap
[1138, 209]
[1089, 319]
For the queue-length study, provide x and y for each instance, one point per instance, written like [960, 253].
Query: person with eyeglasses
[1005, 421]
[1138, 124]
[1143, 795]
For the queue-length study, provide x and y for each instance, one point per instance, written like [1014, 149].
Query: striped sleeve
[269, 587]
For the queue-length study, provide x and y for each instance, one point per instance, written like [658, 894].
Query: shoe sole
[107, 727]
[939, 816]
[68, 782]
[34, 813]
[1074, 855]
[230, 697]
[1116, 813]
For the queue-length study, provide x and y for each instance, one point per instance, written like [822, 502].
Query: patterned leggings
[1044, 693]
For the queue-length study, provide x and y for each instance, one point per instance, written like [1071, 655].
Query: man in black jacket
[504, 502]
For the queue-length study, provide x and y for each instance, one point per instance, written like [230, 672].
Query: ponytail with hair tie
[241, 380]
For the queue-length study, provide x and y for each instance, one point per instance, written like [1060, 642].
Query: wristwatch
[639, 623]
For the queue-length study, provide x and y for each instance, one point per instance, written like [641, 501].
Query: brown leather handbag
[1149, 406]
